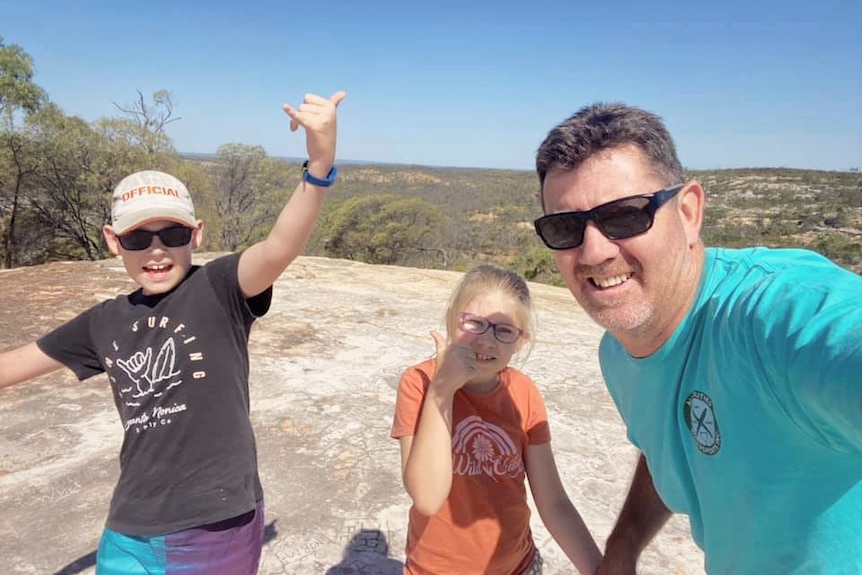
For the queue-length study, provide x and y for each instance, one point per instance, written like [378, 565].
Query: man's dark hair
[602, 126]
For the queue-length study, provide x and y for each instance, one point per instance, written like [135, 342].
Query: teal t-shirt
[750, 415]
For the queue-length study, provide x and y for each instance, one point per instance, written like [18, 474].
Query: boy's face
[157, 268]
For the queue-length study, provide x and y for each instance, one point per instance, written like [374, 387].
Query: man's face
[637, 288]
[157, 269]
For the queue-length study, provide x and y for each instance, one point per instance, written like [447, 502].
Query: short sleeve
[223, 275]
[411, 393]
[72, 345]
[536, 422]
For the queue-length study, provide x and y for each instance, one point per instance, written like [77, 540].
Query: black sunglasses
[619, 219]
[172, 237]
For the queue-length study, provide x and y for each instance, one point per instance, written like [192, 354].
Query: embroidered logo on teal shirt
[700, 417]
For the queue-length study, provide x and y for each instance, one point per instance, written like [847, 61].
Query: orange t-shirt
[484, 526]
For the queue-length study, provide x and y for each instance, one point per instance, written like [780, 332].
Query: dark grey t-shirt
[178, 368]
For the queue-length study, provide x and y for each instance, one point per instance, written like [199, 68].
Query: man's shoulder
[757, 273]
[763, 261]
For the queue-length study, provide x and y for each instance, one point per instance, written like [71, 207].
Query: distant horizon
[349, 162]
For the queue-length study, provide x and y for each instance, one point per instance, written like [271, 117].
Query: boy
[189, 497]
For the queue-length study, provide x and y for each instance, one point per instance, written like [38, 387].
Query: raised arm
[25, 363]
[557, 512]
[642, 516]
[426, 458]
[261, 264]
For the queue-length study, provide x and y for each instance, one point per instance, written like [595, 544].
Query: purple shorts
[230, 547]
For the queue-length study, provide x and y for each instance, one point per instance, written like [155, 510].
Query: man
[738, 373]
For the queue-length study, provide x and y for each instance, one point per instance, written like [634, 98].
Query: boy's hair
[603, 126]
[150, 196]
[485, 279]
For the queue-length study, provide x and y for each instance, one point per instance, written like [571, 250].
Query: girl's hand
[456, 363]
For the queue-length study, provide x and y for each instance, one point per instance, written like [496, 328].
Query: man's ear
[198, 235]
[111, 239]
[690, 204]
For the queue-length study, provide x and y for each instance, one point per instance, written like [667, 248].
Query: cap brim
[129, 222]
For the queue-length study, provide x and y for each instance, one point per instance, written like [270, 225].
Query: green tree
[71, 189]
[147, 122]
[247, 186]
[18, 164]
[386, 229]
[536, 263]
[18, 91]
[19, 94]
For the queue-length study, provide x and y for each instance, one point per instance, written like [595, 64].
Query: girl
[471, 429]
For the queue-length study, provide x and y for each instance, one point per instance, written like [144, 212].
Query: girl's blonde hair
[485, 279]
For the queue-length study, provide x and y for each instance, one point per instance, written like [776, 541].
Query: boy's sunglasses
[619, 219]
[172, 237]
[477, 325]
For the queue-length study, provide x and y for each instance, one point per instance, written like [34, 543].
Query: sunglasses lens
[625, 219]
[136, 240]
[561, 231]
[176, 236]
[173, 237]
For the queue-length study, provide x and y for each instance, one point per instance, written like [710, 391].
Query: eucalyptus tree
[70, 192]
[386, 229]
[18, 91]
[249, 190]
[19, 96]
[147, 122]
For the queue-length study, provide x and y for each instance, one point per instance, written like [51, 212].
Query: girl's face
[492, 355]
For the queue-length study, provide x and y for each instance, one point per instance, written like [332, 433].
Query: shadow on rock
[270, 532]
[367, 554]
[78, 565]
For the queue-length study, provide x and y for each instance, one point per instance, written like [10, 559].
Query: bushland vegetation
[488, 215]
[57, 173]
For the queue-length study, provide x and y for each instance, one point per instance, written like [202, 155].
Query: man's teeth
[484, 357]
[611, 281]
[158, 267]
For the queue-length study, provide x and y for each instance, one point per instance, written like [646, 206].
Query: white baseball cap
[149, 196]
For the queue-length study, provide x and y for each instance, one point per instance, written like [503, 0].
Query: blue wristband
[323, 183]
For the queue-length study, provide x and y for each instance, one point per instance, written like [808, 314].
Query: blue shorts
[230, 547]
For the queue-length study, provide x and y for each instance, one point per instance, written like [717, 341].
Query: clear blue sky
[753, 83]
